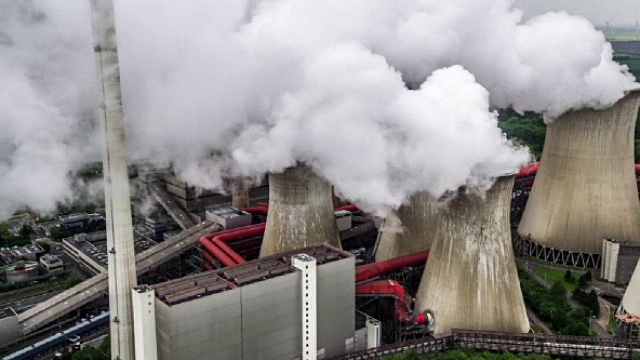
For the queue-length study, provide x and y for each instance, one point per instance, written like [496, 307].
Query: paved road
[533, 317]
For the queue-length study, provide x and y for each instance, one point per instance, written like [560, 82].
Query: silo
[585, 189]
[300, 212]
[409, 229]
[470, 281]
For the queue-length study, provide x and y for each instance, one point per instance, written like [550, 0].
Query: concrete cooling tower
[585, 189]
[470, 281]
[300, 212]
[408, 230]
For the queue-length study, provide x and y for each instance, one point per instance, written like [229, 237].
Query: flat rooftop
[210, 282]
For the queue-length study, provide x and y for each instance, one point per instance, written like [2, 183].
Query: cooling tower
[300, 212]
[122, 269]
[585, 189]
[470, 281]
[408, 230]
[631, 298]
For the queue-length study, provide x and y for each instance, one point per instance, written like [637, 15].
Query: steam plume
[240, 88]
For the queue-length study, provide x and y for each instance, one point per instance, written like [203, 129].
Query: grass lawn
[552, 275]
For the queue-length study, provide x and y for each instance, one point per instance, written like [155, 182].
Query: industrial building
[619, 260]
[585, 189]
[408, 230]
[51, 263]
[471, 281]
[255, 310]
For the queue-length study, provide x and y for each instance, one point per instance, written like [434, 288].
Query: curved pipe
[404, 313]
[532, 170]
[366, 272]
[216, 243]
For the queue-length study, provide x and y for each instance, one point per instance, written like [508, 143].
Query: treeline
[529, 130]
[553, 307]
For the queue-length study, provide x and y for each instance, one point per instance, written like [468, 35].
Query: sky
[599, 12]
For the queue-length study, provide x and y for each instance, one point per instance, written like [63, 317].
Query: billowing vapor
[46, 101]
[384, 98]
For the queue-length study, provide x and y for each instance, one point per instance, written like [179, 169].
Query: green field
[623, 37]
[552, 275]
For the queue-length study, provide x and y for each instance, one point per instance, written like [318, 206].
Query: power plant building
[470, 281]
[585, 189]
[619, 260]
[408, 230]
[254, 310]
[300, 212]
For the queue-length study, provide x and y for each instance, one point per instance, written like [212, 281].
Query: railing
[554, 345]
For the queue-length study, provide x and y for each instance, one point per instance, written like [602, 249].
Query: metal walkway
[93, 288]
[180, 216]
[553, 345]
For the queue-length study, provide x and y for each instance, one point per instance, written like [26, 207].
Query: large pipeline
[404, 311]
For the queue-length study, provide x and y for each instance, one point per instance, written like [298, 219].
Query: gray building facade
[247, 312]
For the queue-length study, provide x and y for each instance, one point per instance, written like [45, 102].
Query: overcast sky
[616, 12]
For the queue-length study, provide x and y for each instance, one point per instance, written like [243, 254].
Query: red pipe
[404, 313]
[532, 170]
[351, 208]
[366, 272]
[216, 243]
[258, 210]
[217, 252]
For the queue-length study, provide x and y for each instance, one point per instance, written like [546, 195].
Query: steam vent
[470, 281]
[585, 189]
[409, 230]
[300, 212]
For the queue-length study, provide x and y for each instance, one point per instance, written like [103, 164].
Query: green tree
[557, 289]
[72, 281]
[44, 245]
[568, 277]
[26, 230]
[56, 233]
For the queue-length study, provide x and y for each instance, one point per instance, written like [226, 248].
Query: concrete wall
[260, 321]
[585, 189]
[10, 329]
[408, 230]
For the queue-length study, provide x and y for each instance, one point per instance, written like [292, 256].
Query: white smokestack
[409, 229]
[471, 281]
[122, 266]
[585, 189]
[300, 212]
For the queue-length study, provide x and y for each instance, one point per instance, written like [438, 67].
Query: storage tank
[300, 212]
[585, 189]
[470, 281]
[409, 229]
[21, 271]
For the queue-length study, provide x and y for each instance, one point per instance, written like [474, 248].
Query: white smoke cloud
[46, 101]
[236, 87]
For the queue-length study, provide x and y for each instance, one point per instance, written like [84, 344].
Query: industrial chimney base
[526, 247]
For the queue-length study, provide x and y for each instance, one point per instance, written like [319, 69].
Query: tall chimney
[585, 189]
[239, 193]
[122, 275]
[470, 281]
[408, 230]
[300, 212]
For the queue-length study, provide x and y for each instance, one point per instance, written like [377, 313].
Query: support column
[307, 265]
[144, 323]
